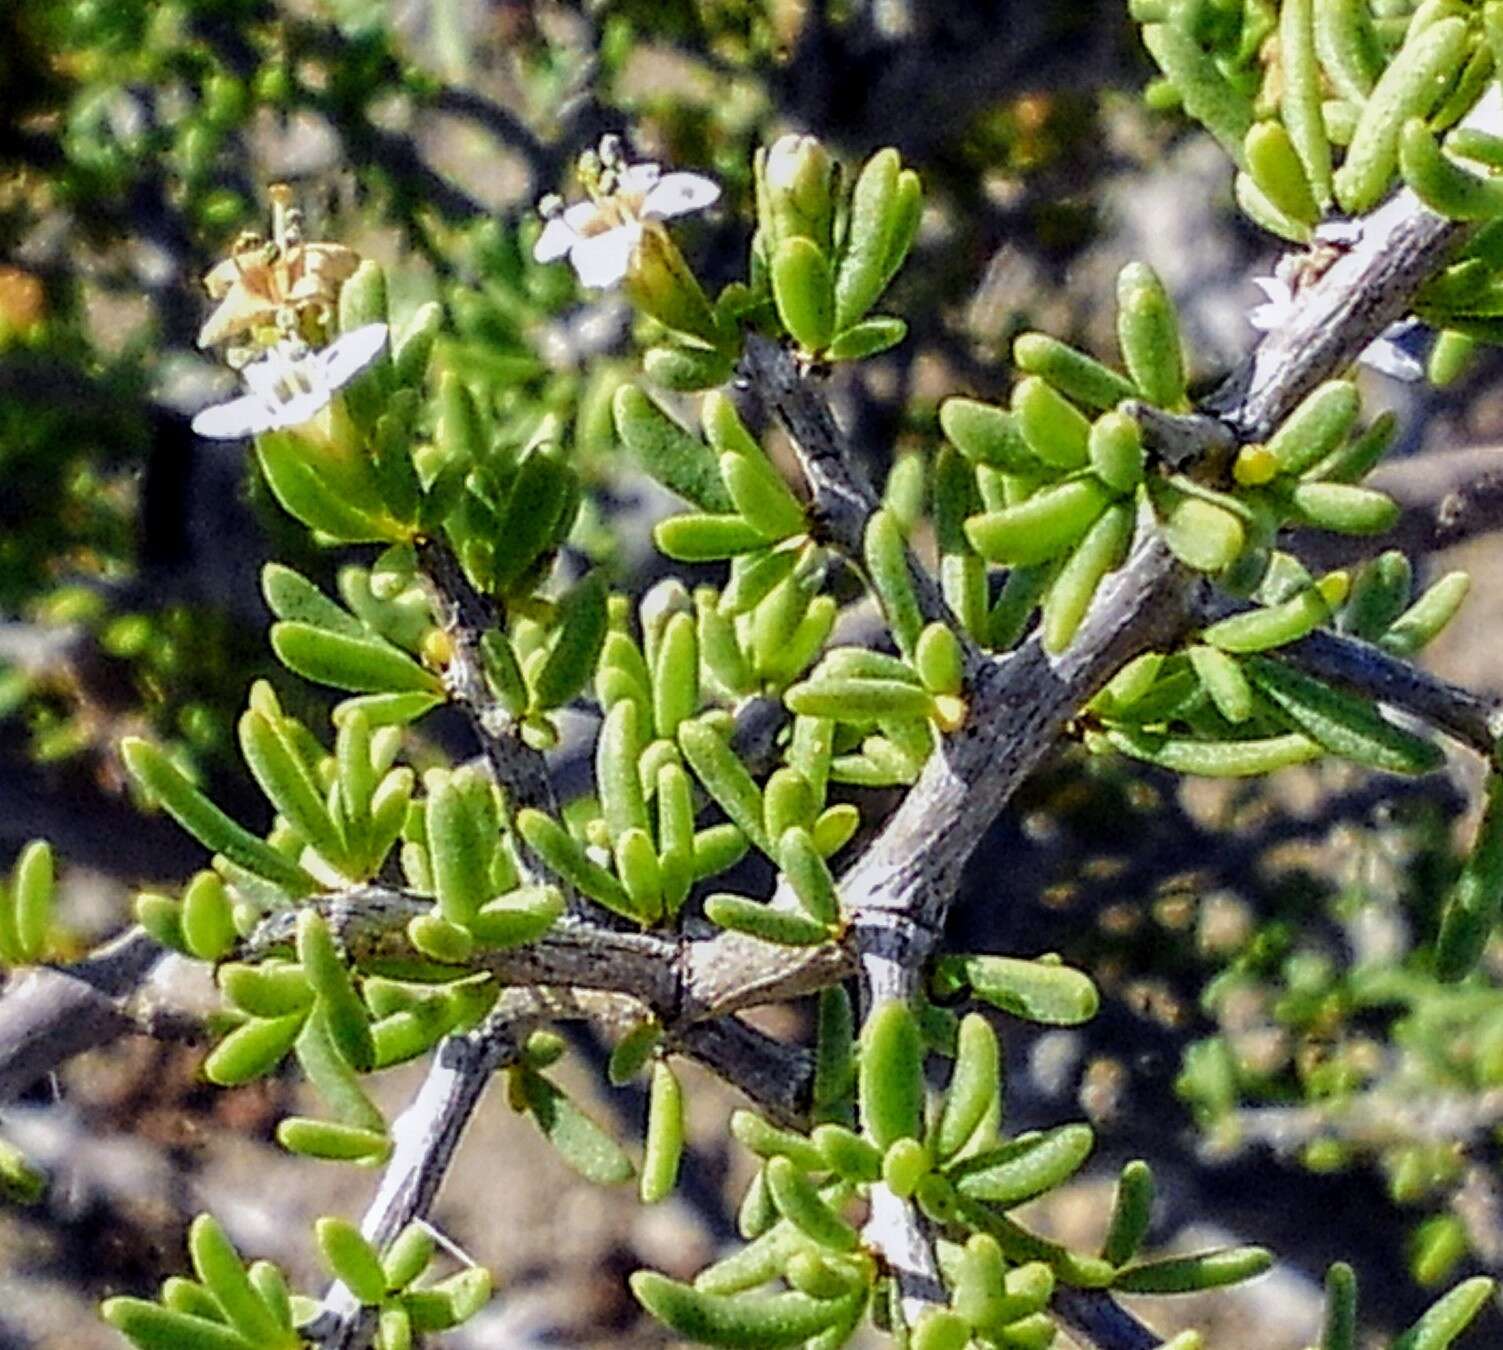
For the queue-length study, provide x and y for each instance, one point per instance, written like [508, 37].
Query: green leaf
[744, 1322]
[268, 989]
[801, 1204]
[408, 1255]
[351, 1258]
[388, 710]
[1316, 427]
[538, 512]
[328, 1070]
[364, 665]
[32, 895]
[517, 917]
[885, 552]
[986, 435]
[283, 776]
[1042, 527]
[153, 1327]
[1206, 93]
[1409, 87]
[863, 268]
[891, 1075]
[1147, 325]
[331, 1141]
[867, 338]
[218, 1265]
[1448, 1317]
[587, 1148]
[1132, 1210]
[852, 699]
[319, 499]
[206, 822]
[803, 288]
[1191, 1274]
[761, 496]
[412, 347]
[760, 920]
[208, 918]
[974, 1084]
[1040, 991]
[631, 1053]
[725, 778]
[694, 537]
[1079, 377]
[678, 460]
[1055, 430]
[567, 857]
[344, 1015]
[1025, 1167]
[463, 830]
[1274, 625]
[665, 1135]
[1201, 534]
[1425, 618]
[1345, 724]
[252, 1050]
[1471, 909]
[809, 875]
[575, 645]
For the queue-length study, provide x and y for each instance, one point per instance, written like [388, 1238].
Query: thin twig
[429, 1130]
[903, 885]
[1469, 718]
[898, 892]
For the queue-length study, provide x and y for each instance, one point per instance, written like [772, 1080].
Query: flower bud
[799, 179]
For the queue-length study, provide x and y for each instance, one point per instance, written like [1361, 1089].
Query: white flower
[599, 235]
[1277, 307]
[1387, 353]
[291, 384]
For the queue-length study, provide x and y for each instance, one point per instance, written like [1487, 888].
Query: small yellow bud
[437, 648]
[950, 712]
[1256, 465]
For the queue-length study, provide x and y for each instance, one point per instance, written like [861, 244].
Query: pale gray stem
[49, 1014]
[1018, 705]
[425, 1136]
[1467, 717]
[898, 892]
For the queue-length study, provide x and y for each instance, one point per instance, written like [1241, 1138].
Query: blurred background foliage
[1268, 1040]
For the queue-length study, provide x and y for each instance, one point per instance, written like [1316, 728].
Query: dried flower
[291, 384]
[1388, 353]
[278, 287]
[600, 235]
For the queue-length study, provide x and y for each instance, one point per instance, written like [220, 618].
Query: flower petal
[239, 311]
[219, 278]
[1275, 289]
[557, 238]
[270, 378]
[1278, 307]
[347, 356]
[1388, 353]
[302, 407]
[639, 177]
[240, 417]
[677, 193]
[602, 260]
[583, 217]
